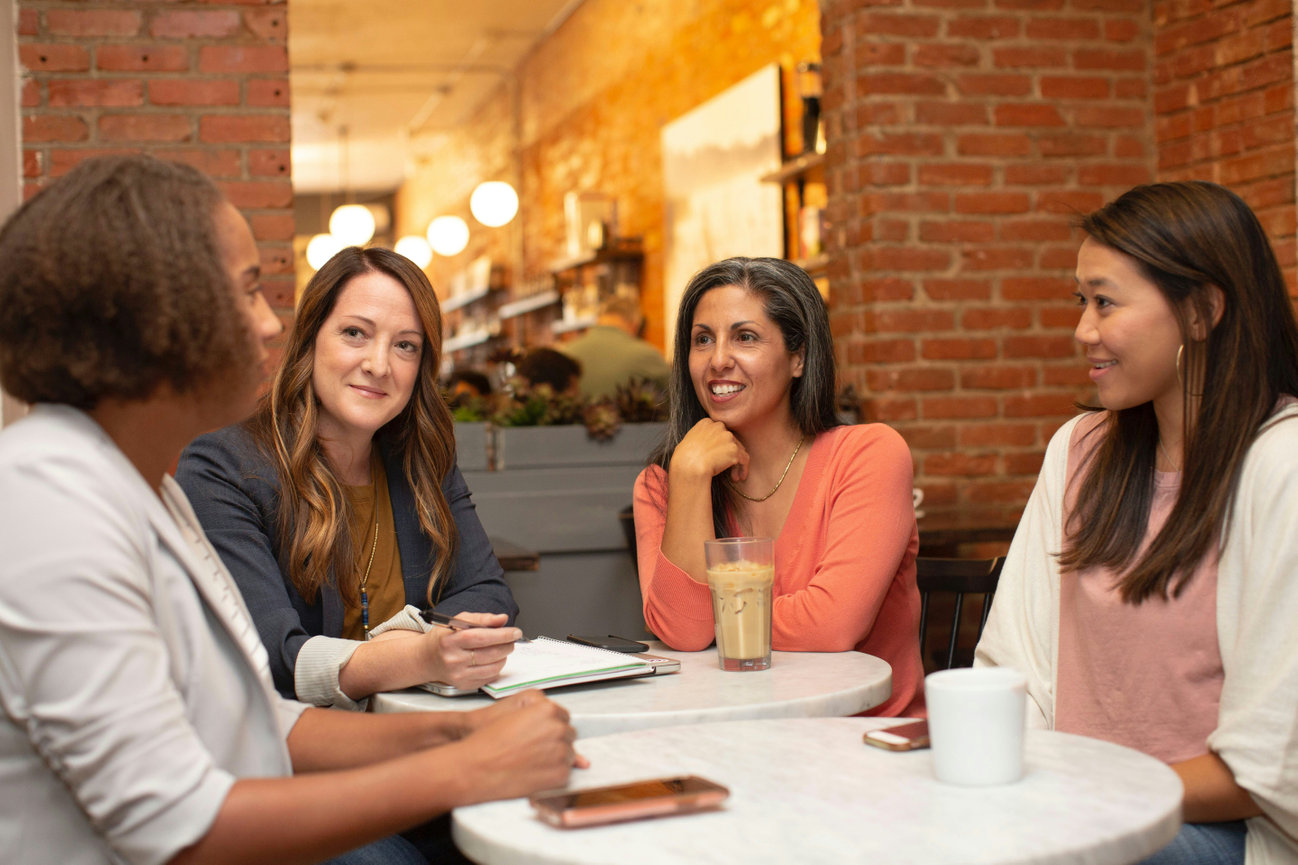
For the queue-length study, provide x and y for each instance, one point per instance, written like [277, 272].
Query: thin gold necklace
[1171, 462]
[365, 598]
[745, 495]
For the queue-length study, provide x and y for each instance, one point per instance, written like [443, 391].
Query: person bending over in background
[1149, 591]
[754, 448]
[611, 351]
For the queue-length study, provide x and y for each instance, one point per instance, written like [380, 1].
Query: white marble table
[798, 685]
[808, 791]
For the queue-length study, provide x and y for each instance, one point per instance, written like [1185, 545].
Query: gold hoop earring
[1180, 350]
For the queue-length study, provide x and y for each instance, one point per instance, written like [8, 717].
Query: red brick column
[963, 137]
[1224, 100]
[197, 82]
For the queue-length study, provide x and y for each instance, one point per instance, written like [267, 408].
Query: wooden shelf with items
[801, 175]
[470, 315]
[583, 282]
[802, 179]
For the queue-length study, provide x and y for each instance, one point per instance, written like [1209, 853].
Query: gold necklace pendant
[778, 483]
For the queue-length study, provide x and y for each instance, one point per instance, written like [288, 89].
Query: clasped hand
[708, 449]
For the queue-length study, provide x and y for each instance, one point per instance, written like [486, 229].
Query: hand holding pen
[472, 647]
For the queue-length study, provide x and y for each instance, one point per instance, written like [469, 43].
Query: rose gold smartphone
[904, 737]
[656, 797]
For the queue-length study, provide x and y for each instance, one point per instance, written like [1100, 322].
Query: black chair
[626, 517]
[958, 577]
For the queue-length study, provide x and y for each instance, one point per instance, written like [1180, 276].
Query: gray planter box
[471, 446]
[559, 492]
[554, 446]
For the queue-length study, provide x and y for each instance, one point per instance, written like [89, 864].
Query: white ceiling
[392, 71]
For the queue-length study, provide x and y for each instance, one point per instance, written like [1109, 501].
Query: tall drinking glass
[741, 572]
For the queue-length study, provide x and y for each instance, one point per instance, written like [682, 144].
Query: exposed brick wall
[963, 136]
[1224, 104]
[199, 82]
[593, 100]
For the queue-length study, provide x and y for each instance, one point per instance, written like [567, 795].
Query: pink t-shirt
[1147, 676]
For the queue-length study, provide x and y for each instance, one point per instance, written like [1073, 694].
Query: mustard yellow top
[385, 588]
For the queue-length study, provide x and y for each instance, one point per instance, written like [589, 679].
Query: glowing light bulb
[415, 248]
[353, 224]
[448, 235]
[494, 203]
[322, 248]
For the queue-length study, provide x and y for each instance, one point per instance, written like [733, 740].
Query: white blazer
[133, 685]
[1257, 594]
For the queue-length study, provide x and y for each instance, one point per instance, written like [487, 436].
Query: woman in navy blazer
[338, 506]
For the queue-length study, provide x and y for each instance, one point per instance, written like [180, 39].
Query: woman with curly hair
[338, 506]
[138, 721]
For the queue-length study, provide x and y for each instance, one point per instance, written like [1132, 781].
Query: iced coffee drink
[740, 575]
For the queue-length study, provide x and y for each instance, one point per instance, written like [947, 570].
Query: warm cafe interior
[582, 431]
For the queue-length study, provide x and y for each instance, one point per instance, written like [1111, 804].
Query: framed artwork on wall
[716, 204]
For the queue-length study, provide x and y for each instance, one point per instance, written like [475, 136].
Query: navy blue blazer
[235, 492]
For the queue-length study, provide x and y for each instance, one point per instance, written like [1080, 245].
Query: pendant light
[448, 235]
[494, 203]
[415, 248]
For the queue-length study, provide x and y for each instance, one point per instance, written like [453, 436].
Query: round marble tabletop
[798, 685]
[809, 791]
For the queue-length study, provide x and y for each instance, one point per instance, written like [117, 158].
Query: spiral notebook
[545, 662]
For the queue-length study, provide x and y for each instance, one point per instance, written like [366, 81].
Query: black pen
[441, 620]
[433, 617]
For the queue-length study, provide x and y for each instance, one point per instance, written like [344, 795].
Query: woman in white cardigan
[139, 721]
[1150, 590]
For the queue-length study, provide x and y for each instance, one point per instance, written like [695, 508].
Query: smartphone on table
[656, 797]
[610, 642]
[903, 737]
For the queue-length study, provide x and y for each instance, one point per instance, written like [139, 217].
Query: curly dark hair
[112, 284]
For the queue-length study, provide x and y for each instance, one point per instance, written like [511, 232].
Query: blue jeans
[1204, 844]
[427, 843]
[393, 850]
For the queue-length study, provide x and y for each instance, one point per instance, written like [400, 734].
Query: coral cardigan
[844, 561]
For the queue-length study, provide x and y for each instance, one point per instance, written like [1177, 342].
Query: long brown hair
[1188, 239]
[314, 514]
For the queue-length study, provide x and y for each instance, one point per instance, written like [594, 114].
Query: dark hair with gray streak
[791, 300]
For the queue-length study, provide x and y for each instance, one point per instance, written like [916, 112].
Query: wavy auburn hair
[791, 300]
[1188, 239]
[314, 514]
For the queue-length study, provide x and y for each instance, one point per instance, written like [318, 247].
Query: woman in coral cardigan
[754, 448]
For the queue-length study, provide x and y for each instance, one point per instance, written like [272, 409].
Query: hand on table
[521, 744]
[708, 449]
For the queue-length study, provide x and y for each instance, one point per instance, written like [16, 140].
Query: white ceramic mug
[976, 721]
